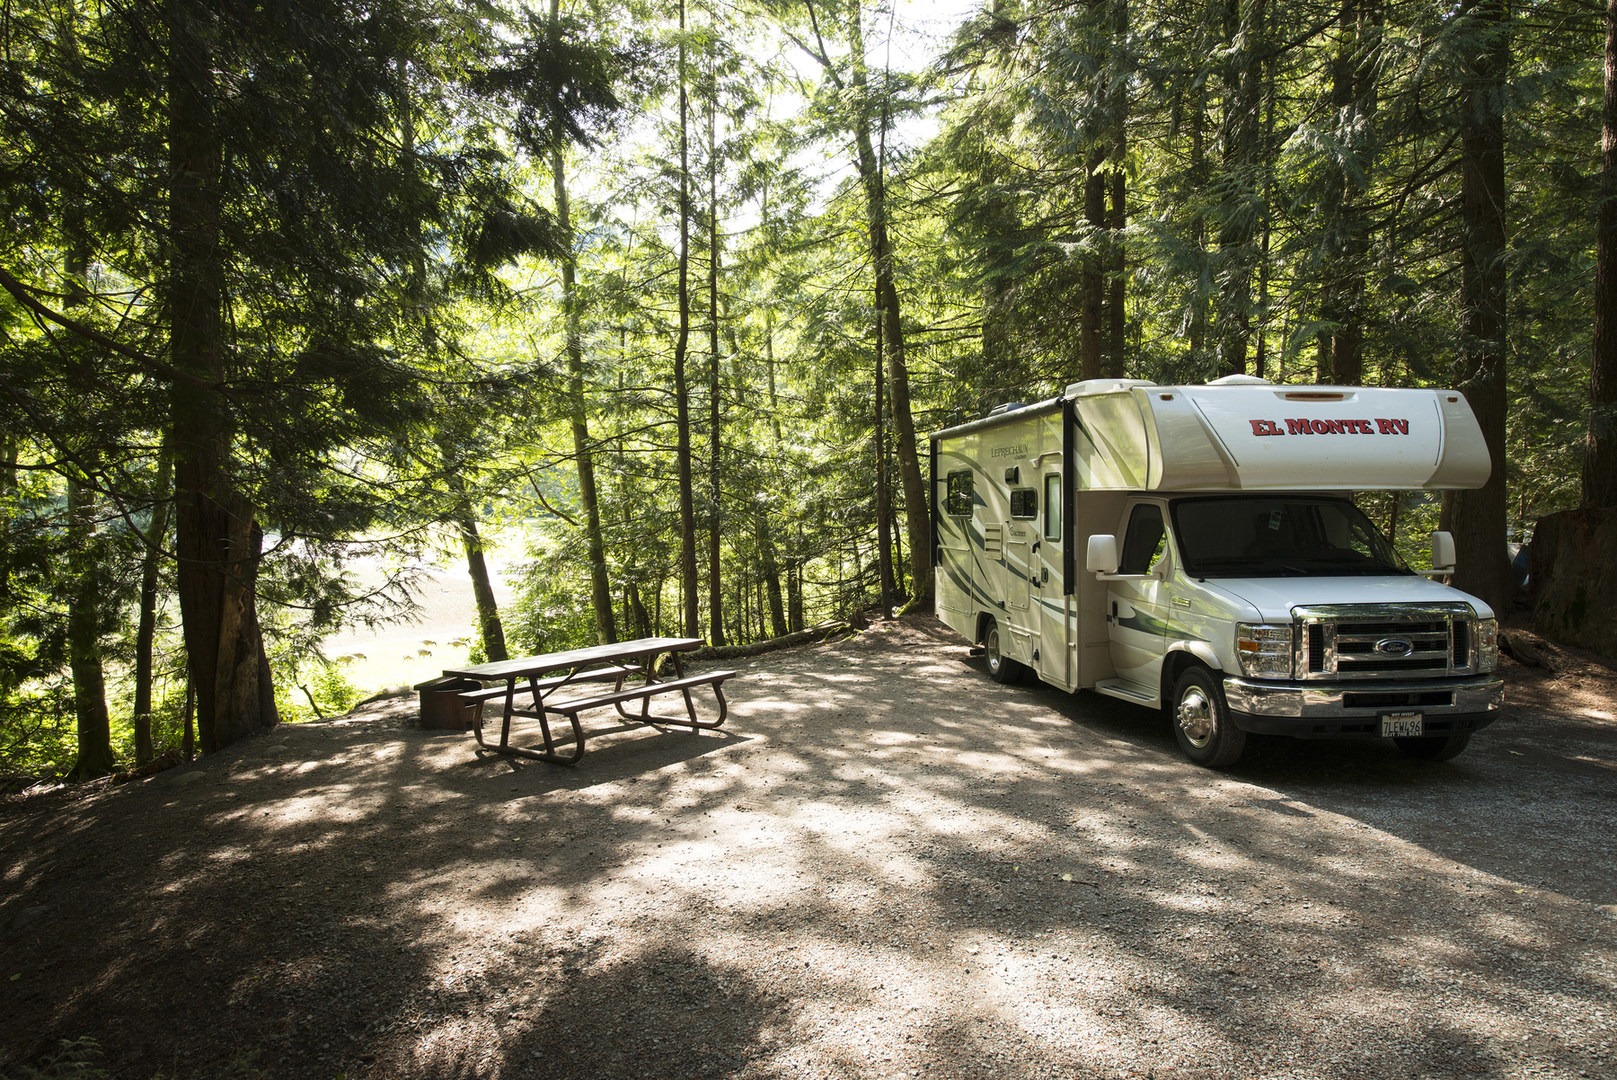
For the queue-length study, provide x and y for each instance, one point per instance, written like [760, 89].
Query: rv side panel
[1004, 511]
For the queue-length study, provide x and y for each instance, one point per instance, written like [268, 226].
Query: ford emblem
[1395, 646]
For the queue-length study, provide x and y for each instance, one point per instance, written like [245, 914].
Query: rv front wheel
[1201, 720]
[1000, 667]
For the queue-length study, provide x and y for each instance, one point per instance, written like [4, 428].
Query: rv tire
[1441, 748]
[1201, 720]
[1001, 668]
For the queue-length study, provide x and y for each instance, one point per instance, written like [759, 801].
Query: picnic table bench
[564, 684]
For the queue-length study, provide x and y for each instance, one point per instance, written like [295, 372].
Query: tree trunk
[769, 570]
[583, 452]
[1196, 332]
[884, 508]
[146, 630]
[462, 513]
[689, 583]
[1574, 578]
[84, 637]
[766, 540]
[188, 736]
[84, 567]
[715, 417]
[1093, 277]
[917, 519]
[489, 625]
[1104, 322]
[794, 593]
[1478, 517]
[215, 534]
[1347, 222]
[1600, 458]
[1238, 135]
[1114, 364]
[639, 617]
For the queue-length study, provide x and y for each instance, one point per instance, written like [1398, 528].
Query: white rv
[1195, 549]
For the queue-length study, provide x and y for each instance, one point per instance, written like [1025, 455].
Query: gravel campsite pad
[883, 865]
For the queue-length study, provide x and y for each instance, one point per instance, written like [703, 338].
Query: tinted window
[1052, 506]
[1145, 541]
[958, 500]
[1270, 536]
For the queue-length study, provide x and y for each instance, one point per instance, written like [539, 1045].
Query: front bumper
[1449, 706]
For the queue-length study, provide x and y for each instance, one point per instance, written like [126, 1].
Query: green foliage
[37, 736]
[552, 607]
[73, 1059]
[313, 689]
[350, 173]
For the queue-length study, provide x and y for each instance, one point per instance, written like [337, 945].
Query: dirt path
[883, 866]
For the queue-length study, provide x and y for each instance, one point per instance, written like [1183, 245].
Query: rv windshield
[1280, 536]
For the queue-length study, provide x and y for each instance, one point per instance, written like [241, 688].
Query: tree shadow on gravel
[884, 864]
[666, 1011]
[1529, 776]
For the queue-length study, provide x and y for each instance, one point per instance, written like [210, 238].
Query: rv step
[1126, 691]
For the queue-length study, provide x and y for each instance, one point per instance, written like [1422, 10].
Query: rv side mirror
[1442, 553]
[1101, 556]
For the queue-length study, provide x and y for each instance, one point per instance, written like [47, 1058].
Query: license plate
[1401, 725]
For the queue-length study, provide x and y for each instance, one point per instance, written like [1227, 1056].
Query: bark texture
[1478, 517]
[1600, 458]
[1574, 578]
[217, 538]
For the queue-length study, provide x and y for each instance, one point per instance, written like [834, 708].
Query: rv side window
[1145, 541]
[1052, 506]
[1024, 503]
[958, 501]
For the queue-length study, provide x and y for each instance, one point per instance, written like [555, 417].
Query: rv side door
[1137, 606]
[1057, 611]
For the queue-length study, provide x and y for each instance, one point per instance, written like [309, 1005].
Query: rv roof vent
[1009, 406]
[1239, 380]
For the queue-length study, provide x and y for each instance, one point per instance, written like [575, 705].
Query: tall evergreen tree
[1600, 454]
[270, 251]
[1478, 518]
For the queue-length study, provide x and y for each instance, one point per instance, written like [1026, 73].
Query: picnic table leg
[649, 664]
[510, 705]
[549, 753]
[646, 716]
[539, 707]
[477, 723]
[695, 722]
[578, 742]
[724, 706]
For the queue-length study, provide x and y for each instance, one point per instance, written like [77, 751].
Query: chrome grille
[1378, 642]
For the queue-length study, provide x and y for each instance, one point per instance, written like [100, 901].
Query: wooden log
[814, 634]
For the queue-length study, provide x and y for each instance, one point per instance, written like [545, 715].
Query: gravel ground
[883, 866]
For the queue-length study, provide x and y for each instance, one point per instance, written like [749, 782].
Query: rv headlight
[1264, 650]
[1487, 644]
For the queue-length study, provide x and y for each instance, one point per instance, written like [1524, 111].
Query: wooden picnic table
[567, 683]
